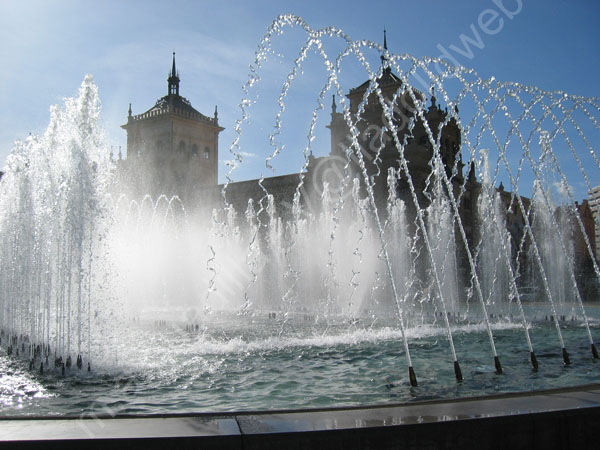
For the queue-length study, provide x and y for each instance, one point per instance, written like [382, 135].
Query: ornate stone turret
[173, 79]
[434, 130]
[172, 148]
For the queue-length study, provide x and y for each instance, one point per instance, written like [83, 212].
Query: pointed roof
[387, 78]
[173, 69]
[383, 55]
[173, 103]
[173, 79]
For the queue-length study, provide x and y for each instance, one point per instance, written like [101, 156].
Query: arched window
[194, 150]
[207, 153]
[181, 147]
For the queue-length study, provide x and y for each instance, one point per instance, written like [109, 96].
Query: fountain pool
[237, 365]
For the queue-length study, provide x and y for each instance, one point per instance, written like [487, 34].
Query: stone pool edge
[554, 418]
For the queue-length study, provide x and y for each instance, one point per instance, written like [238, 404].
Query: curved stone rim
[558, 414]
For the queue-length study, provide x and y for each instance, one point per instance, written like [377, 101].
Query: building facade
[172, 149]
[594, 204]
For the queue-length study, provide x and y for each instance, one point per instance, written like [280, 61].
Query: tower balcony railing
[172, 110]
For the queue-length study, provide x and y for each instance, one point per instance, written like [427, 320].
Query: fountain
[154, 305]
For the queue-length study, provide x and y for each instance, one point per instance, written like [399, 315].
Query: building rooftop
[173, 103]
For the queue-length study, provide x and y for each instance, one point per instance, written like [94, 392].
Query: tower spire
[384, 60]
[173, 79]
[384, 38]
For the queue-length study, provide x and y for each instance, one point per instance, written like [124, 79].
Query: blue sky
[49, 46]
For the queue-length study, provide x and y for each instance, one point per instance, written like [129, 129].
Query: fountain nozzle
[534, 362]
[457, 372]
[566, 357]
[498, 365]
[412, 377]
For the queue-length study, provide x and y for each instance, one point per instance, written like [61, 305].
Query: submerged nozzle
[457, 371]
[412, 377]
[498, 365]
[534, 362]
[388, 384]
[594, 351]
[566, 357]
